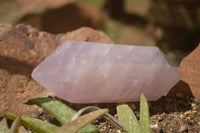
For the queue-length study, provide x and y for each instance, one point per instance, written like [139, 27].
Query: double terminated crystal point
[85, 72]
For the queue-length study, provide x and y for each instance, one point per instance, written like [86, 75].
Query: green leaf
[75, 125]
[4, 127]
[57, 109]
[144, 115]
[60, 111]
[34, 124]
[128, 118]
[15, 125]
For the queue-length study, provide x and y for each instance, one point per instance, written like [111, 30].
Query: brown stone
[190, 67]
[57, 16]
[21, 49]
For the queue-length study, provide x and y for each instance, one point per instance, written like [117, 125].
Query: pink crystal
[86, 72]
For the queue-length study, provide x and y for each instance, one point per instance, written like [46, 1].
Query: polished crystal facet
[86, 72]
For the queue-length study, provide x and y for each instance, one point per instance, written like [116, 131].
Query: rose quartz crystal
[86, 72]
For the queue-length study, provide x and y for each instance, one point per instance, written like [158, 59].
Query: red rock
[190, 84]
[21, 49]
[87, 34]
[190, 67]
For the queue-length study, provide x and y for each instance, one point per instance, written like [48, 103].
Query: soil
[176, 115]
[167, 115]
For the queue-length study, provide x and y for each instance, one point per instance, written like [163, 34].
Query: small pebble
[193, 105]
[154, 126]
[183, 128]
[118, 131]
[187, 113]
[194, 112]
[181, 116]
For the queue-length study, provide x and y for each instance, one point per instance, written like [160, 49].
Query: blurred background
[172, 25]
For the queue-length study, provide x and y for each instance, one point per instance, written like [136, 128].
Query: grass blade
[144, 115]
[4, 127]
[34, 124]
[57, 109]
[60, 111]
[75, 125]
[15, 125]
[128, 118]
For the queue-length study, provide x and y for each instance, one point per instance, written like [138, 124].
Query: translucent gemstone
[87, 72]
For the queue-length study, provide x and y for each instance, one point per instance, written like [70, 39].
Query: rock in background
[175, 23]
[21, 49]
[190, 84]
[190, 67]
[58, 16]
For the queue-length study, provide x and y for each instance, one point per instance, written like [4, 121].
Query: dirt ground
[167, 115]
